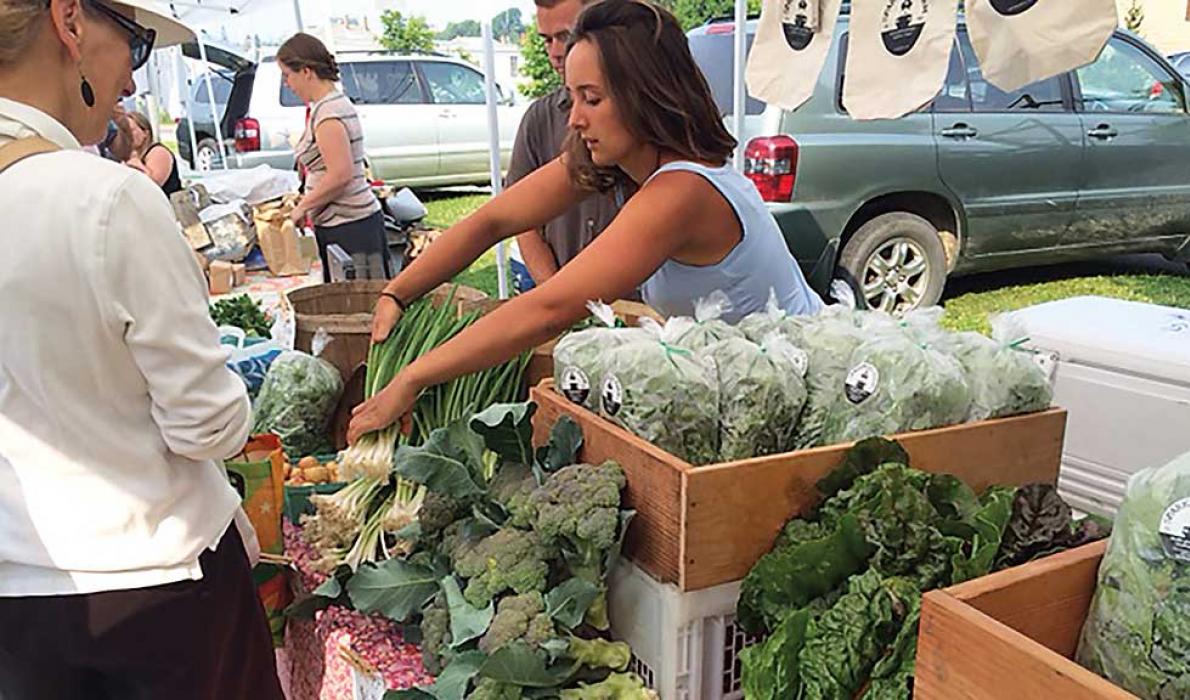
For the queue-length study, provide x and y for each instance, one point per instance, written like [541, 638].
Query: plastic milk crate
[685, 645]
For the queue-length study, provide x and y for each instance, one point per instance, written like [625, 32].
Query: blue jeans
[522, 281]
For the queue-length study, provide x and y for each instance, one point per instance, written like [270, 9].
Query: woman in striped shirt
[339, 198]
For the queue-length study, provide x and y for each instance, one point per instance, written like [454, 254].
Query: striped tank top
[356, 201]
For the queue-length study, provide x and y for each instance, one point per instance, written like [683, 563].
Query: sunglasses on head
[140, 39]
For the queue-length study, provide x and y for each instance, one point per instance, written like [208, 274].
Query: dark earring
[88, 93]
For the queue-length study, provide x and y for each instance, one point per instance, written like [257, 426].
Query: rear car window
[715, 55]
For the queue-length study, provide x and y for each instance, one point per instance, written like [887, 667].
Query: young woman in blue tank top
[642, 110]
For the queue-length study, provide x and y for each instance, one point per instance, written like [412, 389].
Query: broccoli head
[600, 653]
[580, 504]
[456, 543]
[518, 618]
[438, 511]
[488, 689]
[508, 559]
[512, 488]
[435, 636]
[618, 686]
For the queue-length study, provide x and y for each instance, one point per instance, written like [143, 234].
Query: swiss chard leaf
[770, 668]
[862, 459]
[507, 430]
[467, 622]
[988, 523]
[519, 664]
[395, 588]
[566, 440]
[450, 462]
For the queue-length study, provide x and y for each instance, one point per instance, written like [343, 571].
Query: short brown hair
[548, 4]
[304, 51]
[659, 90]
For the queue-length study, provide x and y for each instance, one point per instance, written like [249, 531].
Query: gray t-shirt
[539, 141]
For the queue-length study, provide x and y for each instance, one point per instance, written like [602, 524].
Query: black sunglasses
[140, 39]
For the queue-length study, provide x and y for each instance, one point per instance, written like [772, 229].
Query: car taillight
[770, 163]
[247, 133]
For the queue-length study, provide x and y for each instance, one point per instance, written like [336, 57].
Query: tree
[543, 79]
[465, 55]
[454, 30]
[694, 13]
[1134, 17]
[403, 35]
[508, 25]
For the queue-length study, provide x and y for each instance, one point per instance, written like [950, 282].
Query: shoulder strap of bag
[15, 151]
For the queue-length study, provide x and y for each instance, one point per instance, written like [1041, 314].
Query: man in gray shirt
[539, 141]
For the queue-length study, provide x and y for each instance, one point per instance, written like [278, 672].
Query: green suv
[1091, 163]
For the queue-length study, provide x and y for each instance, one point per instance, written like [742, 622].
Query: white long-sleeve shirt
[115, 402]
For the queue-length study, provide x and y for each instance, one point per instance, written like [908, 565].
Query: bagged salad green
[756, 327]
[580, 357]
[1137, 633]
[895, 383]
[665, 394]
[1004, 378]
[706, 328]
[298, 399]
[761, 394]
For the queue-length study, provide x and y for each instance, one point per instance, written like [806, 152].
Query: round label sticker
[795, 22]
[612, 395]
[575, 385]
[801, 361]
[902, 24]
[1008, 8]
[1175, 530]
[862, 382]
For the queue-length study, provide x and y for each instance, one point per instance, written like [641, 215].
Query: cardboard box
[704, 526]
[222, 275]
[239, 274]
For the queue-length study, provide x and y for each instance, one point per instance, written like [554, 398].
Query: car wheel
[206, 155]
[897, 261]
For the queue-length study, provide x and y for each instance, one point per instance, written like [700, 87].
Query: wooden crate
[1011, 635]
[699, 527]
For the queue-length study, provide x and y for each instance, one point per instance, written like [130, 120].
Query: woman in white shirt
[121, 572]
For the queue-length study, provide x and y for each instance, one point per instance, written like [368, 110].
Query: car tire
[206, 155]
[897, 262]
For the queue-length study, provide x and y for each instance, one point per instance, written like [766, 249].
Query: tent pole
[489, 62]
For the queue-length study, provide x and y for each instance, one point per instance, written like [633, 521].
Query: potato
[317, 475]
[332, 468]
[308, 462]
[288, 470]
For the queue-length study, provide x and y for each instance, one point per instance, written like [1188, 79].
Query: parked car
[1085, 164]
[1181, 61]
[424, 118]
[200, 112]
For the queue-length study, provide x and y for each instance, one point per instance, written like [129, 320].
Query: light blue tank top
[759, 264]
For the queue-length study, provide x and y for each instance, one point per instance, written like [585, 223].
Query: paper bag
[222, 276]
[1019, 42]
[791, 45]
[898, 56]
[279, 242]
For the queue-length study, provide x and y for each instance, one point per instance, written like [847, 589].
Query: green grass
[971, 312]
[446, 211]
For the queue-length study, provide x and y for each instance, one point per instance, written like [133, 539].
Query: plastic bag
[758, 326]
[256, 185]
[706, 328]
[895, 384]
[250, 361]
[580, 357]
[1137, 633]
[762, 391]
[664, 394]
[1004, 378]
[298, 399]
[232, 230]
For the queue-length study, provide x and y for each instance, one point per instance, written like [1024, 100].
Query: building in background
[1166, 23]
[507, 56]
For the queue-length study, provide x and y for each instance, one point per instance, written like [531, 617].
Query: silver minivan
[424, 118]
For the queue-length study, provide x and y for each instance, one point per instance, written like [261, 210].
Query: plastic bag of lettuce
[580, 357]
[758, 326]
[706, 328]
[895, 383]
[1004, 378]
[762, 392]
[297, 400]
[665, 394]
[1137, 633]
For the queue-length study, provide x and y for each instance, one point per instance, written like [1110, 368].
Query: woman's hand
[393, 403]
[298, 216]
[384, 318]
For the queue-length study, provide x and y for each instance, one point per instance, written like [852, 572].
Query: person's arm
[335, 148]
[158, 164]
[157, 298]
[654, 226]
[121, 144]
[542, 196]
[539, 258]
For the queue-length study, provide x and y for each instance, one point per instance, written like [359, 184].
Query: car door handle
[960, 131]
[1103, 132]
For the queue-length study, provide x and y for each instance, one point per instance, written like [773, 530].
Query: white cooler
[1122, 370]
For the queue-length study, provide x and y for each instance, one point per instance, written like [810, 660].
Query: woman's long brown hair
[658, 88]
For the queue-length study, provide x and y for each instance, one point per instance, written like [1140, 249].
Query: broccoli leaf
[396, 588]
[329, 593]
[862, 459]
[452, 683]
[566, 440]
[408, 694]
[569, 602]
[467, 622]
[519, 664]
[450, 462]
[507, 430]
